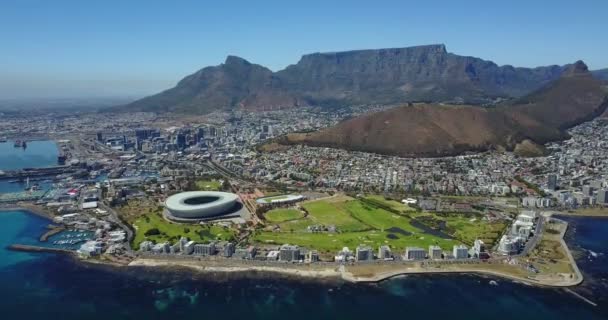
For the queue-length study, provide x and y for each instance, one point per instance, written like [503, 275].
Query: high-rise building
[228, 249]
[414, 253]
[364, 253]
[204, 249]
[180, 140]
[602, 196]
[587, 191]
[460, 252]
[435, 252]
[479, 248]
[182, 244]
[312, 256]
[289, 253]
[552, 182]
[384, 252]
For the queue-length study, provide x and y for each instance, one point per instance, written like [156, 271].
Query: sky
[131, 48]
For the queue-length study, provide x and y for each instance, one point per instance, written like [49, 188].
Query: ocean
[55, 286]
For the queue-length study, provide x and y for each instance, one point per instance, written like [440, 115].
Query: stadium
[201, 205]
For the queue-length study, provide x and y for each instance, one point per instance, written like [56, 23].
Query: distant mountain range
[439, 130]
[384, 76]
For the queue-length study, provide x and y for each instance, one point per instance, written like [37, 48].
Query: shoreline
[356, 273]
[342, 272]
[29, 209]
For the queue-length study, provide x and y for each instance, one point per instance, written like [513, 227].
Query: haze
[54, 49]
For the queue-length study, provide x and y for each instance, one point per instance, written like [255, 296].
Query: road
[113, 215]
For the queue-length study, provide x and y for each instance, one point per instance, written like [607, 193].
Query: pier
[35, 172]
[29, 248]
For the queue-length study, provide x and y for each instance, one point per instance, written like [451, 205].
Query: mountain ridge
[370, 76]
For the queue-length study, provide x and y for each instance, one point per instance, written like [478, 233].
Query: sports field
[208, 185]
[282, 215]
[377, 221]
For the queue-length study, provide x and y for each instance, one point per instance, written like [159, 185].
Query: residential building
[364, 253]
[435, 252]
[414, 253]
[289, 253]
[460, 251]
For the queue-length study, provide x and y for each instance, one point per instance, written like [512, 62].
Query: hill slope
[439, 130]
[601, 74]
[384, 76]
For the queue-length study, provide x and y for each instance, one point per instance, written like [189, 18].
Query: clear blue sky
[57, 48]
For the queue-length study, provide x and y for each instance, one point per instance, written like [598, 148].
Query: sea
[49, 286]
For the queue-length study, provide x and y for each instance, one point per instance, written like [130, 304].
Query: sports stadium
[201, 205]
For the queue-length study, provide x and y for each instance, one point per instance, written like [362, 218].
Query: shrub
[152, 232]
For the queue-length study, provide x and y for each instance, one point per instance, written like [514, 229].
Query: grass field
[208, 185]
[333, 213]
[549, 255]
[282, 215]
[376, 223]
[172, 231]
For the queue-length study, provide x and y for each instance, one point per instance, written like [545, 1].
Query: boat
[17, 144]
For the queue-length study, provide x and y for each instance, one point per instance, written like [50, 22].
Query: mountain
[383, 76]
[439, 130]
[601, 74]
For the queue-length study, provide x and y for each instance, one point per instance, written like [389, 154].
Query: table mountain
[384, 76]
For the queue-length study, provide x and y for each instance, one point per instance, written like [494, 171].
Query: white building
[460, 251]
[414, 253]
[508, 245]
[435, 252]
[384, 253]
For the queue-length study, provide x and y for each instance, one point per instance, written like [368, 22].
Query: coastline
[28, 208]
[355, 273]
[342, 272]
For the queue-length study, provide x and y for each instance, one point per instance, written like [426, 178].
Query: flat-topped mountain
[439, 130]
[384, 76]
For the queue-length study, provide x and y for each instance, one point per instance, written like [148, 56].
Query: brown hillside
[439, 130]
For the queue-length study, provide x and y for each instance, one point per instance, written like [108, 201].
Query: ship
[17, 144]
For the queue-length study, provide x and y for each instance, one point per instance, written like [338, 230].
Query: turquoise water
[19, 227]
[37, 154]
